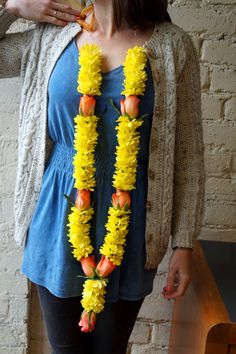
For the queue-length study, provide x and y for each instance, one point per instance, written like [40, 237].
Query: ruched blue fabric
[47, 258]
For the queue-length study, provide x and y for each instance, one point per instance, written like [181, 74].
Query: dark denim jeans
[113, 327]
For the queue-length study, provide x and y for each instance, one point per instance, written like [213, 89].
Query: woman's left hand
[179, 273]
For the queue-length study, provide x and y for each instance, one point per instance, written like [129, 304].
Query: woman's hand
[43, 11]
[179, 273]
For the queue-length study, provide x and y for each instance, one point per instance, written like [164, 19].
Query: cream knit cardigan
[176, 175]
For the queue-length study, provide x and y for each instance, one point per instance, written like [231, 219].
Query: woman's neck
[104, 19]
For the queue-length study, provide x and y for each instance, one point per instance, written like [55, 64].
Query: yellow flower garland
[79, 232]
[117, 227]
[135, 75]
[94, 295]
[126, 153]
[124, 178]
[89, 78]
[85, 142]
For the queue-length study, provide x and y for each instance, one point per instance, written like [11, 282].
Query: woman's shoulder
[170, 37]
[171, 33]
[47, 36]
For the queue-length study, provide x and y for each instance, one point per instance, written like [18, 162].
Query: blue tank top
[47, 258]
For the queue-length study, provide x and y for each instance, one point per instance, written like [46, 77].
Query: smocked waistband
[62, 157]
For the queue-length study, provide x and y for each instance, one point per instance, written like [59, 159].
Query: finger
[54, 21]
[170, 281]
[181, 289]
[62, 15]
[64, 8]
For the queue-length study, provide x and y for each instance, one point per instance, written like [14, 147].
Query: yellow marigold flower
[89, 77]
[85, 142]
[94, 295]
[117, 229]
[126, 153]
[134, 71]
[78, 234]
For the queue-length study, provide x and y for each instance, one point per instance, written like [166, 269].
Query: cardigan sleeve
[189, 169]
[12, 45]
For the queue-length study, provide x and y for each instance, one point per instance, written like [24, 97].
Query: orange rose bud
[88, 264]
[105, 267]
[130, 106]
[87, 105]
[122, 107]
[115, 200]
[83, 199]
[121, 199]
[87, 321]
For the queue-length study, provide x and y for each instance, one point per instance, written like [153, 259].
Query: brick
[147, 349]
[202, 19]
[18, 312]
[14, 284]
[218, 165]
[230, 109]
[7, 207]
[13, 350]
[7, 180]
[9, 108]
[10, 91]
[220, 214]
[161, 334]
[223, 80]
[155, 307]
[4, 306]
[221, 137]
[141, 333]
[6, 238]
[9, 126]
[11, 336]
[219, 52]
[211, 107]
[220, 2]
[8, 153]
[221, 186]
[218, 234]
[14, 255]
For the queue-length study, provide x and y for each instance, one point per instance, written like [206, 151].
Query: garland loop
[124, 178]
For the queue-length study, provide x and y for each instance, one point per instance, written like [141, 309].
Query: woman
[169, 193]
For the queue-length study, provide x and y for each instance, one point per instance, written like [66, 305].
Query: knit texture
[176, 174]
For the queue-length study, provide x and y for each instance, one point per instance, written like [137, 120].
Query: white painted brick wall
[212, 26]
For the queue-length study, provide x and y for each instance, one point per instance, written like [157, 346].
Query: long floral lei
[124, 178]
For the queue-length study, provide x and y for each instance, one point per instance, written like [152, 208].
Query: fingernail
[169, 288]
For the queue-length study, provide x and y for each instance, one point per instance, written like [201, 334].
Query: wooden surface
[200, 322]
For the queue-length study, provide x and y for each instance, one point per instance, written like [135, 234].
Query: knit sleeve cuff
[184, 239]
[6, 19]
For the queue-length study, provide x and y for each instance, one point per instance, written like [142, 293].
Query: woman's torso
[47, 258]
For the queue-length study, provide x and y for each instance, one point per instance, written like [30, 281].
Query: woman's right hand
[43, 11]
